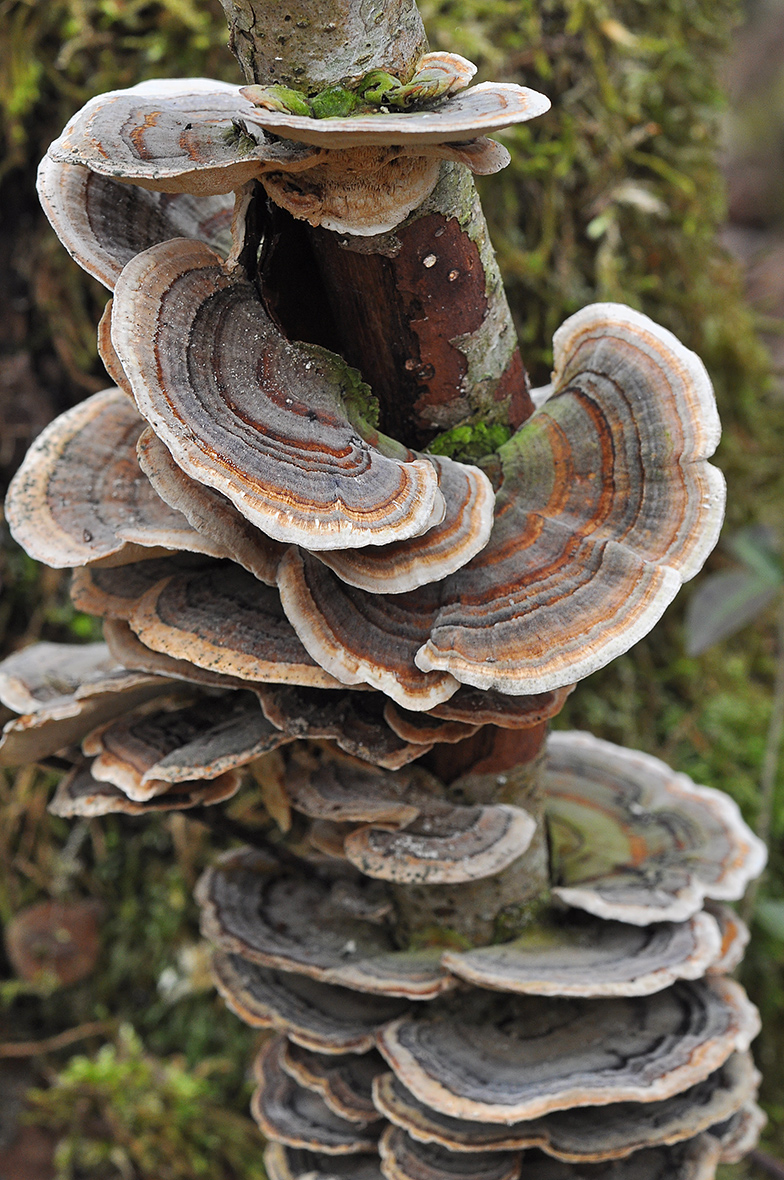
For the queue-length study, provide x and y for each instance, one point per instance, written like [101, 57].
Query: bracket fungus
[293, 587]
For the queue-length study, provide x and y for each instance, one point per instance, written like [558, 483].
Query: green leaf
[756, 547]
[769, 912]
[724, 603]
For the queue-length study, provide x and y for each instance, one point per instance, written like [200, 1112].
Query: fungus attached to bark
[592, 958]
[291, 1114]
[404, 1158]
[635, 841]
[586, 1134]
[502, 1059]
[286, 447]
[345, 1082]
[297, 924]
[79, 793]
[79, 495]
[319, 1016]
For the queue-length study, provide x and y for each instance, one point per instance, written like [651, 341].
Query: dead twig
[59, 1041]
[768, 1164]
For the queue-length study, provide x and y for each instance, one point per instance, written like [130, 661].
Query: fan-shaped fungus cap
[345, 1082]
[65, 693]
[174, 136]
[287, 449]
[79, 494]
[103, 223]
[735, 937]
[78, 793]
[353, 720]
[225, 620]
[582, 1134]
[606, 506]
[316, 1015]
[128, 650]
[292, 1163]
[208, 511]
[338, 790]
[445, 844]
[406, 565]
[592, 958]
[504, 1058]
[290, 1114]
[740, 1134]
[636, 841]
[363, 638]
[696, 1159]
[425, 727]
[403, 1158]
[475, 706]
[477, 111]
[114, 592]
[168, 742]
[297, 925]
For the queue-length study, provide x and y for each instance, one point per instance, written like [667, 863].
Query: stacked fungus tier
[479, 975]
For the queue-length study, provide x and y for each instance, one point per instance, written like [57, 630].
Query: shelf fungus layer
[104, 223]
[174, 136]
[345, 1082]
[291, 1114]
[582, 1134]
[500, 1059]
[80, 496]
[592, 958]
[268, 423]
[606, 506]
[145, 752]
[307, 926]
[79, 793]
[319, 1016]
[635, 841]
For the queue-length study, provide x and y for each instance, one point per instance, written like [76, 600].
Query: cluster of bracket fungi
[289, 592]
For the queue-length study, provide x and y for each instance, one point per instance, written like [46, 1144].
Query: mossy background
[616, 194]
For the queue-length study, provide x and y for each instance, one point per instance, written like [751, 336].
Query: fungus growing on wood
[320, 1016]
[347, 588]
[506, 1059]
[586, 1134]
[345, 1082]
[298, 1117]
[79, 495]
[286, 448]
[665, 844]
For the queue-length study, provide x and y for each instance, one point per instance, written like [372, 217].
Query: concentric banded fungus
[740, 1134]
[354, 721]
[81, 794]
[208, 511]
[103, 223]
[84, 688]
[424, 727]
[503, 1059]
[144, 752]
[345, 1083]
[115, 593]
[171, 136]
[403, 1158]
[79, 494]
[635, 841]
[474, 706]
[267, 423]
[586, 1134]
[444, 844]
[598, 519]
[363, 638]
[477, 111]
[225, 620]
[694, 1160]
[593, 958]
[290, 1114]
[291, 1163]
[128, 650]
[342, 791]
[296, 925]
[318, 1016]
[735, 937]
[406, 565]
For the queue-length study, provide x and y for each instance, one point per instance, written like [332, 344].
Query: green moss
[470, 442]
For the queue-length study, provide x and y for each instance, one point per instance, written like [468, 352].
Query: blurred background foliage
[618, 193]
